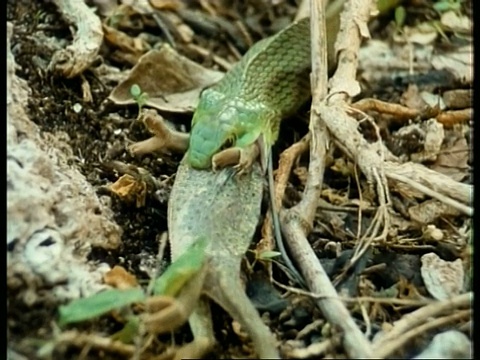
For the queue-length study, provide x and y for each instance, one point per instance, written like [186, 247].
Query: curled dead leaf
[171, 81]
[120, 278]
[130, 190]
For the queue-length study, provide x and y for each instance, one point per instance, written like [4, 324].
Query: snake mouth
[198, 160]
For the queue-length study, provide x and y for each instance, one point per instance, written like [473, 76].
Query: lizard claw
[248, 155]
[244, 164]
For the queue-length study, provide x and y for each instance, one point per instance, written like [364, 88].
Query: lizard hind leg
[234, 300]
[203, 336]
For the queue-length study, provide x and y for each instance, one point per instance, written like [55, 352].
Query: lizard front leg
[241, 159]
[164, 139]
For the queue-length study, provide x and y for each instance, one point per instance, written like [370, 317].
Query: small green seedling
[181, 270]
[139, 96]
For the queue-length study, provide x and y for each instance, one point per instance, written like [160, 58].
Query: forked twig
[78, 56]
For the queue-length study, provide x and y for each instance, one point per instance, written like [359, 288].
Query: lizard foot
[225, 158]
[164, 138]
[166, 313]
[242, 159]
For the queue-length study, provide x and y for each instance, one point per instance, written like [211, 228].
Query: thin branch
[399, 342]
[431, 179]
[432, 193]
[298, 220]
[421, 315]
[82, 340]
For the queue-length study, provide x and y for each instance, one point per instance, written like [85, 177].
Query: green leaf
[400, 16]
[447, 5]
[135, 91]
[181, 270]
[385, 6]
[267, 255]
[98, 304]
[128, 332]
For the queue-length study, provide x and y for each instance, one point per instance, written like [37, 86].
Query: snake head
[215, 129]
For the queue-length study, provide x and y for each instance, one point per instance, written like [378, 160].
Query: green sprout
[138, 96]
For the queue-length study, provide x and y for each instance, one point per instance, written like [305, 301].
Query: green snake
[268, 84]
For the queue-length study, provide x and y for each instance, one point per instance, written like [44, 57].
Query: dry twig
[299, 219]
[433, 180]
[421, 315]
[78, 56]
[395, 344]
[467, 210]
[82, 340]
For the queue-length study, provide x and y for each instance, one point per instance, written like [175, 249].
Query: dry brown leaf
[457, 23]
[345, 168]
[130, 189]
[458, 98]
[453, 162]
[443, 279]
[167, 4]
[334, 197]
[430, 211]
[120, 278]
[172, 82]
[458, 61]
